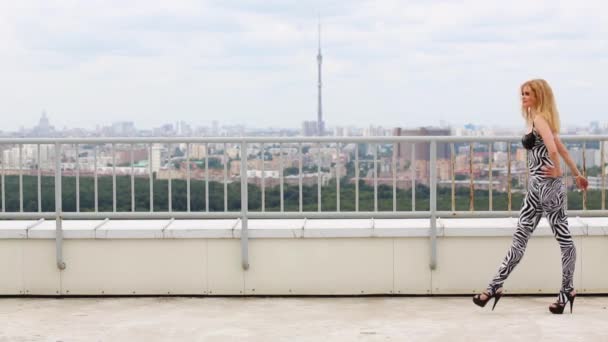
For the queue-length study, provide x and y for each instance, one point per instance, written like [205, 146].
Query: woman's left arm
[581, 181]
[563, 151]
[545, 132]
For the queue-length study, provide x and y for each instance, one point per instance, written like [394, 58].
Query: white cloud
[400, 63]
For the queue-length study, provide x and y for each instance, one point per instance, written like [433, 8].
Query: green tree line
[272, 196]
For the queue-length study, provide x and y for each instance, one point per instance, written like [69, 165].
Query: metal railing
[399, 154]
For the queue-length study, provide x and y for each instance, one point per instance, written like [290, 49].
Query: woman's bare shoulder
[539, 119]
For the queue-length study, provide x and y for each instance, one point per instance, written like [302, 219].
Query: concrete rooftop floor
[516, 318]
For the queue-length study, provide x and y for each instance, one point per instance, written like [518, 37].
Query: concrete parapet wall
[289, 257]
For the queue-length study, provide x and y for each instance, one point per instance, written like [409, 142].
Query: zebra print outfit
[545, 195]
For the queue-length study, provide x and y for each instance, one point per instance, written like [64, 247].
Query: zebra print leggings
[546, 195]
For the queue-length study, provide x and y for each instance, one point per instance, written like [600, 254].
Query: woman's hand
[551, 171]
[581, 182]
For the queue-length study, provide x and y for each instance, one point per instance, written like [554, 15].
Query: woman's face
[528, 100]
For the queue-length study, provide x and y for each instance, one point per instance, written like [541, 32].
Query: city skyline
[126, 128]
[386, 63]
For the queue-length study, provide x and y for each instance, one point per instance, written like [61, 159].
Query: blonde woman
[546, 193]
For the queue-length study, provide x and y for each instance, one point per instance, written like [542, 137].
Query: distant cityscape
[267, 164]
[44, 129]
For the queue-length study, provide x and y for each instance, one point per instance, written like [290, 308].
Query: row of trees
[272, 196]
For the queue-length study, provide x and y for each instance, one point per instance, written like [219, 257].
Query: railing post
[244, 209]
[58, 209]
[433, 204]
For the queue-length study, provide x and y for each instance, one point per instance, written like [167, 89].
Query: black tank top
[529, 139]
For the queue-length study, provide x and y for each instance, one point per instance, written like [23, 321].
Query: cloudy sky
[386, 62]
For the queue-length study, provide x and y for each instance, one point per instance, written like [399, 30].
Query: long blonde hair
[545, 103]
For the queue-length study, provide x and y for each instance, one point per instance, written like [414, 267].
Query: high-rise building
[123, 129]
[184, 129]
[156, 157]
[340, 131]
[44, 128]
[375, 131]
[198, 151]
[215, 129]
[422, 149]
[309, 128]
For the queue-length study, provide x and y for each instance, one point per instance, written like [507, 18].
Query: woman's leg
[529, 216]
[554, 202]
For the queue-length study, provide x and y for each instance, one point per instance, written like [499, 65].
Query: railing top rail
[419, 214]
[298, 139]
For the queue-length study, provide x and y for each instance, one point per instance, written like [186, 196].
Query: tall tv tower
[320, 124]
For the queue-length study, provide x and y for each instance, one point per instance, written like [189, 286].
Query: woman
[546, 193]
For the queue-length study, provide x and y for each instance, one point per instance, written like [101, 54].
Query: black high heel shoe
[482, 302]
[564, 298]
